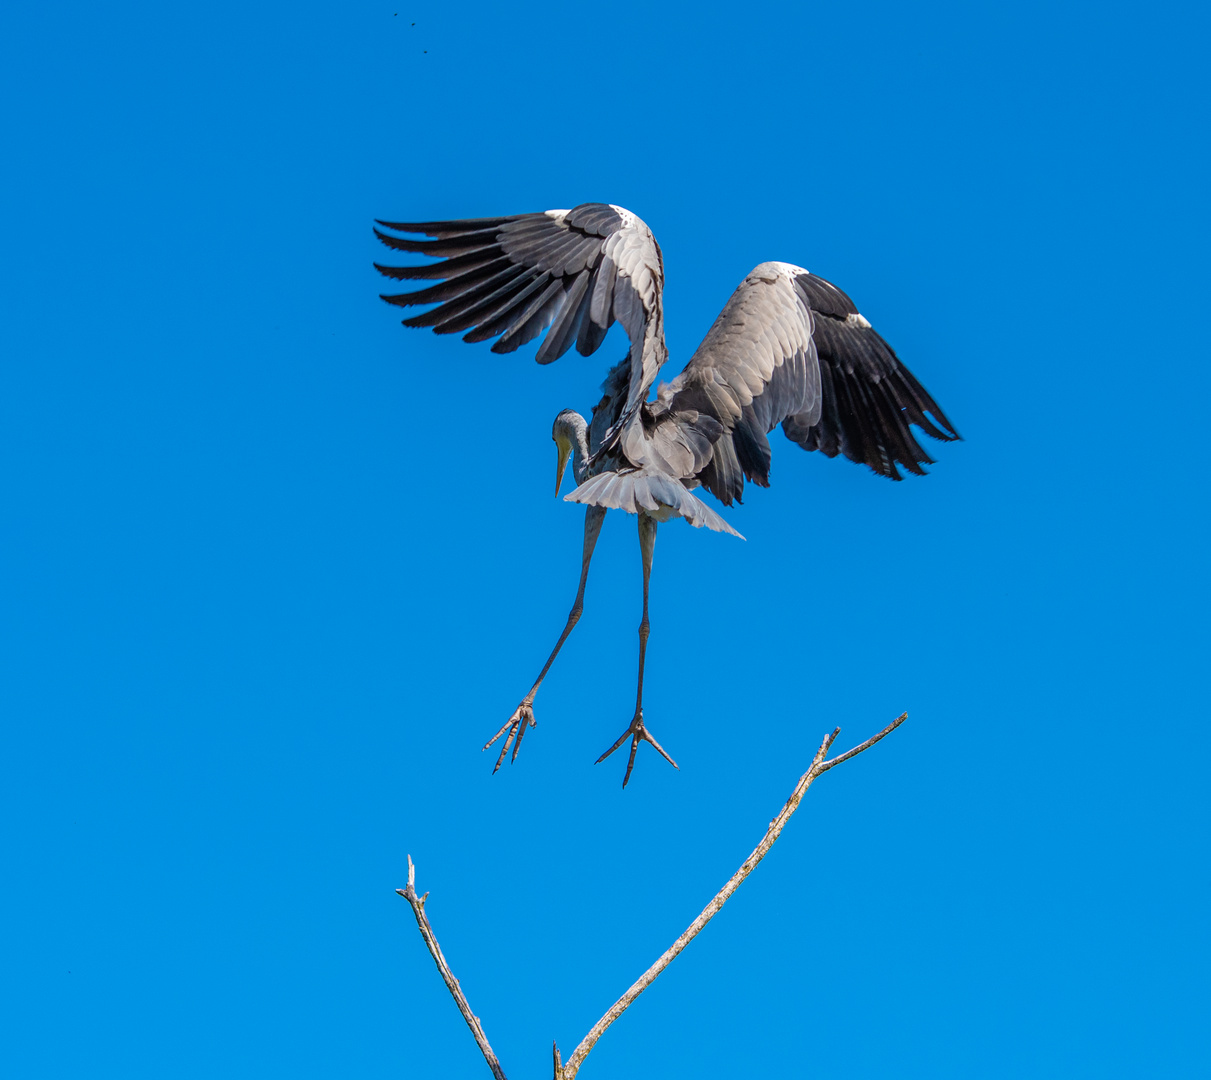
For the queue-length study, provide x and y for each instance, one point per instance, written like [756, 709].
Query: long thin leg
[647, 547]
[637, 731]
[523, 715]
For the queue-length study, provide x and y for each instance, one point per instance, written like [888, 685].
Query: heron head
[564, 432]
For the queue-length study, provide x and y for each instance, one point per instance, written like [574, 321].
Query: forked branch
[820, 764]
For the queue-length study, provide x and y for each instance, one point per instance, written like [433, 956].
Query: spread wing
[791, 348]
[575, 272]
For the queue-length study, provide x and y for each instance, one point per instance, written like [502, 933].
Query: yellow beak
[565, 452]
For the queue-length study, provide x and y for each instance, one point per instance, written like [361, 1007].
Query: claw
[527, 721]
[639, 733]
[522, 718]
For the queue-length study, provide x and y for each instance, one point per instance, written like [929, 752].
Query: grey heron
[788, 348]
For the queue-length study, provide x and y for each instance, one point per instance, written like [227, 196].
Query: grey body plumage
[789, 348]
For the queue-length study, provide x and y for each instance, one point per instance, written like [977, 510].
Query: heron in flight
[788, 348]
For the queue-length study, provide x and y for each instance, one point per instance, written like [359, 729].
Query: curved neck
[578, 430]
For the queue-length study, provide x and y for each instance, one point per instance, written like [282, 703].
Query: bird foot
[638, 734]
[522, 718]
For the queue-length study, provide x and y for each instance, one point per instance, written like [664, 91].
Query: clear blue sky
[274, 567]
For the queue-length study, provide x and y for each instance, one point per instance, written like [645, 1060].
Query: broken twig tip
[460, 999]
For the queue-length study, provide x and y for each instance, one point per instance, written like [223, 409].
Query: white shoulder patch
[857, 320]
[628, 219]
[558, 215]
[771, 271]
[633, 223]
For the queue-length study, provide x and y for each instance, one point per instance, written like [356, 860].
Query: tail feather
[648, 491]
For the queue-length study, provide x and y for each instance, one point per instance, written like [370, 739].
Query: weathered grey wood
[820, 764]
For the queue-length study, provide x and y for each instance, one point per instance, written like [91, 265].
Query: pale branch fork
[567, 1071]
[818, 766]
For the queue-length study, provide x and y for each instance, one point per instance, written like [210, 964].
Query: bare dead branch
[568, 1072]
[825, 766]
[818, 766]
[460, 999]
